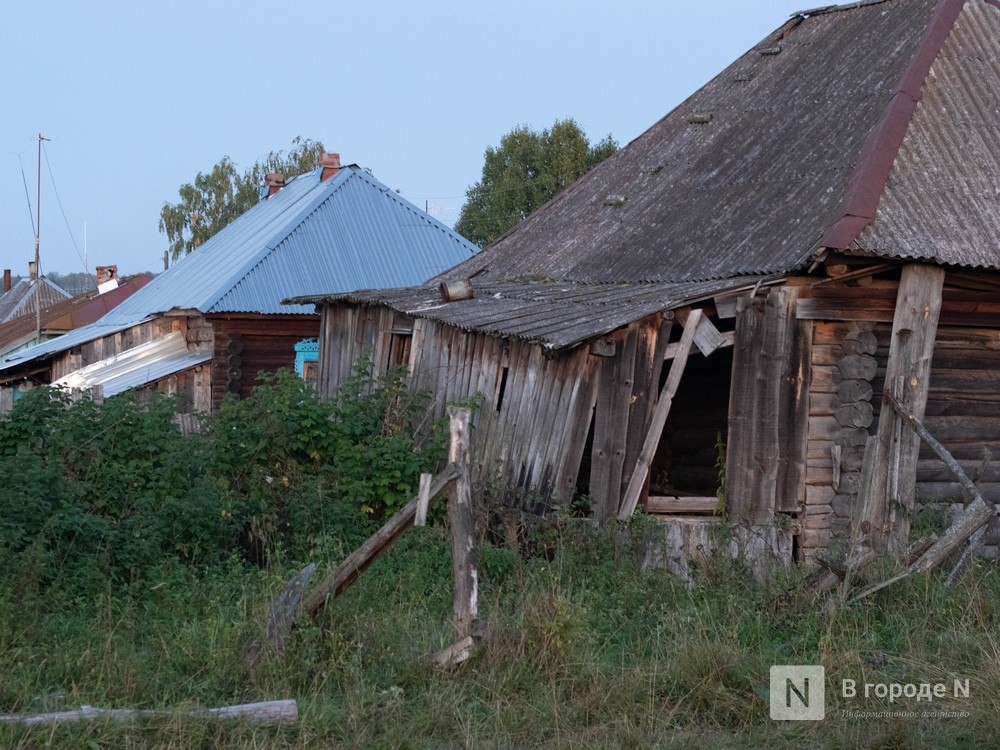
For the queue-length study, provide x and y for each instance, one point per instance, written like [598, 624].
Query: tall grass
[581, 651]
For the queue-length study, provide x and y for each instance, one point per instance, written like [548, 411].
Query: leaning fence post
[463, 525]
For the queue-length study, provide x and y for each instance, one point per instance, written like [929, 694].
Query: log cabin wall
[849, 362]
[536, 412]
[244, 345]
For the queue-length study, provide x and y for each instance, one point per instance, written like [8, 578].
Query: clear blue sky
[139, 97]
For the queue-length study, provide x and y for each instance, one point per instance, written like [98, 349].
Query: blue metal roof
[311, 237]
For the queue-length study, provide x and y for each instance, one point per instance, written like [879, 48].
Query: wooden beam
[358, 561]
[641, 470]
[888, 500]
[267, 712]
[656, 504]
[706, 337]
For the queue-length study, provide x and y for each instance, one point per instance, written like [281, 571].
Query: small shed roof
[556, 315]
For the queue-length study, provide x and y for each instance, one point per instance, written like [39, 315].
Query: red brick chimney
[330, 164]
[6, 279]
[274, 182]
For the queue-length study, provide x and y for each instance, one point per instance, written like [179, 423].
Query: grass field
[582, 651]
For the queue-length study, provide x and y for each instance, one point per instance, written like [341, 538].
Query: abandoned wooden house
[206, 327]
[722, 303]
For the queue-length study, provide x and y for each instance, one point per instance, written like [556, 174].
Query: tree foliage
[217, 197]
[523, 172]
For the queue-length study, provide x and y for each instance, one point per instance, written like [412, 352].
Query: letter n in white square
[798, 693]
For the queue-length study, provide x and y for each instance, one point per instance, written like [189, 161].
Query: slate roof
[69, 314]
[23, 296]
[311, 237]
[557, 315]
[872, 127]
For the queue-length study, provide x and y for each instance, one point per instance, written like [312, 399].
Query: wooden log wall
[535, 414]
[845, 400]
[244, 345]
[840, 416]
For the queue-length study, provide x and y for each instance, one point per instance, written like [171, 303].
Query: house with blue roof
[208, 325]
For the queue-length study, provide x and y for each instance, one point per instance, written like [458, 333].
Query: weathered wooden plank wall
[535, 412]
[766, 459]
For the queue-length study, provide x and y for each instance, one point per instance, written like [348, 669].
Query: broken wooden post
[284, 612]
[359, 560]
[976, 515]
[423, 500]
[652, 441]
[462, 520]
[888, 502]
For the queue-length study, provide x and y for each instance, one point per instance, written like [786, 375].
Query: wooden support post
[6, 400]
[888, 501]
[423, 500]
[359, 560]
[284, 612]
[462, 520]
[638, 478]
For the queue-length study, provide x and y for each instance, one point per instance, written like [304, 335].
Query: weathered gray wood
[659, 421]
[794, 377]
[358, 561]
[741, 451]
[462, 520]
[857, 367]
[457, 653]
[706, 337]
[852, 391]
[423, 500]
[654, 337]
[267, 712]
[655, 504]
[860, 342]
[284, 612]
[886, 507]
[859, 414]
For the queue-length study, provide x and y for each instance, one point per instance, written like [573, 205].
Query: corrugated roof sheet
[69, 314]
[138, 366]
[556, 315]
[942, 198]
[348, 232]
[785, 152]
[23, 298]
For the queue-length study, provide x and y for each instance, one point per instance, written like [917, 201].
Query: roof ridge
[876, 159]
[297, 217]
[824, 9]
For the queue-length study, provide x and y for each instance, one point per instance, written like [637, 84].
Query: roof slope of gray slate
[557, 315]
[788, 151]
[311, 237]
[23, 297]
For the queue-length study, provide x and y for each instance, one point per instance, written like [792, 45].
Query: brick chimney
[32, 271]
[6, 279]
[274, 182]
[330, 164]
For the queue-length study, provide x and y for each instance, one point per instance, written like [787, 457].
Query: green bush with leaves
[108, 490]
[113, 491]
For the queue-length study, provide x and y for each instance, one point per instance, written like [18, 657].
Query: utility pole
[38, 237]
